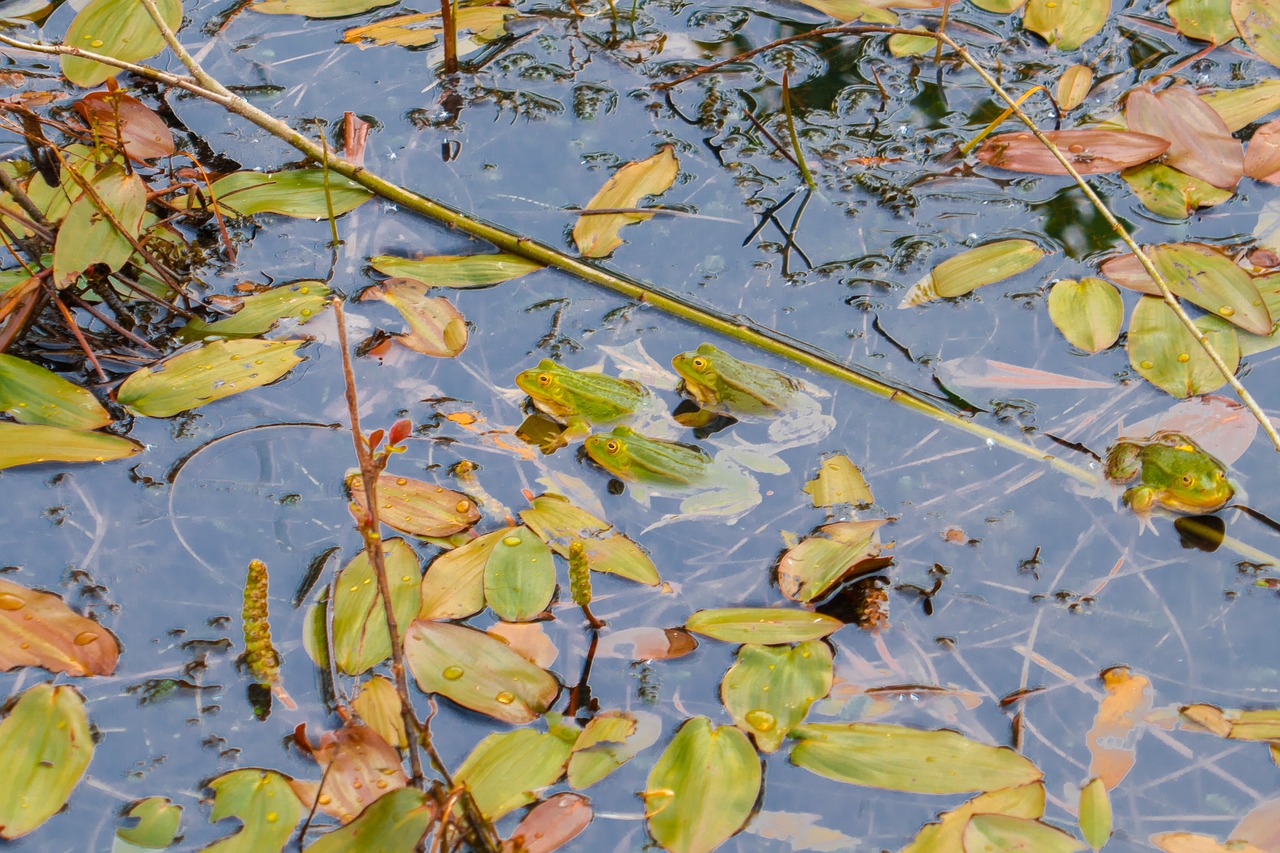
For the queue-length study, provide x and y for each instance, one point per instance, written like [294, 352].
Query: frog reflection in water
[1171, 472]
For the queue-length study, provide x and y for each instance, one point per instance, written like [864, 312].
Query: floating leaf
[769, 689]
[1262, 724]
[416, 507]
[1203, 275]
[899, 758]
[871, 11]
[257, 314]
[833, 553]
[1066, 25]
[1259, 24]
[598, 753]
[703, 788]
[28, 444]
[357, 766]
[299, 193]
[558, 522]
[117, 118]
[596, 236]
[1206, 20]
[155, 826]
[264, 803]
[477, 671]
[394, 823]
[1262, 158]
[419, 30]
[1169, 357]
[1190, 842]
[31, 394]
[1074, 86]
[1200, 144]
[901, 44]
[45, 747]
[456, 271]
[121, 29]
[763, 625]
[87, 238]
[1090, 152]
[1118, 724]
[318, 8]
[505, 768]
[839, 482]
[360, 638]
[647, 644]
[972, 269]
[199, 375]
[378, 704]
[1006, 833]
[453, 586]
[1242, 106]
[519, 576]
[38, 629]
[1095, 814]
[551, 824]
[436, 328]
[946, 836]
[1089, 312]
[1171, 193]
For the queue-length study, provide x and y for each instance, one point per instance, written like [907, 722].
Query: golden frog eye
[544, 379]
[1187, 479]
[699, 363]
[613, 445]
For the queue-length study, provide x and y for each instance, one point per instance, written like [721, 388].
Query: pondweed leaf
[703, 788]
[115, 116]
[1095, 813]
[552, 823]
[1004, 832]
[1090, 152]
[558, 522]
[1166, 355]
[394, 823]
[1242, 106]
[263, 801]
[1089, 312]
[1259, 24]
[415, 506]
[1168, 192]
[299, 193]
[946, 836]
[1073, 86]
[519, 576]
[87, 237]
[1206, 20]
[45, 747]
[1200, 143]
[1191, 842]
[829, 555]
[456, 271]
[360, 638]
[839, 482]
[258, 314]
[1262, 157]
[436, 327]
[974, 268]
[769, 689]
[1066, 25]
[485, 23]
[155, 826]
[30, 394]
[453, 586]
[608, 741]
[506, 767]
[378, 704]
[318, 8]
[357, 767]
[196, 376]
[117, 28]
[870, 11]
[763, 625]
[29, 444]
[596, 235]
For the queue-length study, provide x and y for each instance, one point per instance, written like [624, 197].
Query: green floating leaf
[898, 758]
[45, 747]
[1089, 312]
[1250, 344]
[1259, 24]
[360, 638]
[31, 394]
[1168, 192]
[156, 825]
[972, 269]
[415, 506]
[608, 741]
[703, 788]
[1166, 355]
[596, 235]
[457, 271]
[209, 372]
[378, 704]
[1262, 724]
[762, 625]
[1066, 25]
[839, 482]
[947, 835]
[1203, 275]
[901, 44]
[453, 586]
[872, 11]
[258, 314]
[1005, 833]
[558, 522]
[832, 553]
[1090, 152]
[393, 823]
[486, 23]
[121, 29]
[87, 237]
[519, 576]
[1243, 106]
[263, 801]
[1074, 86]
[477, 671]
[299, 193]
[1095, 814]
[436, 327]
[318, 8]
[769, 689]
[1206, 20]
[505, 768]
[28, 444]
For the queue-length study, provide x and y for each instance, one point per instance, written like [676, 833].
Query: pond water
[1044, 583]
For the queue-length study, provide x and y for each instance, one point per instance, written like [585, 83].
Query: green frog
[579, 399]
[1171, 472]
[720, 383]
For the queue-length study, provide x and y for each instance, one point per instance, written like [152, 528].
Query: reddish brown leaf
[550, 824]
[1091, 152]
[359, 766]
[1262, 157]
[1116, 728]
[1221, 427]
[416, 507]
[1200, 144]
[38, 629]
[117, 117]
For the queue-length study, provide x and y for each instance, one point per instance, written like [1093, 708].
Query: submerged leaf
[456, 271]
[45, 747]
[1262, 157]
[1200, 144]
[1169, 357]
[973, 268]
[505, 768]
[30, 394]
[1090, 152]
[596, 235]
[1089, 312]
[831, 554]
[608, 741]
[200, 375]
[436, 327]
[121, 29]
[1118, 724]
[29, 444]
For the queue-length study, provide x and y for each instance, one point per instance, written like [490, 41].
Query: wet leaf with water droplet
[1206, 20]
[258, 314]
[199, 375]
[1168, 192]
[29, 444]
[505, 768]
[453, 586]
[395, 823]
[30, 394]
[1164, 353]
[1090, 152]
[769, 689]
[608, 741]
[763, 625]
[417, 507]
[360, 638]
[551, 824]
[118, 28]
[38, 629]
[45, 747]
[357, 767]
[1066, 24]
[263, 801]
[519, 576]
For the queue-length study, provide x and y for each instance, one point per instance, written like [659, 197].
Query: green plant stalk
[795, 137]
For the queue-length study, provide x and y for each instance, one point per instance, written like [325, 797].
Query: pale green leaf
[763, 625]
[45, 747]
[299, 193]
[157, 820]
[200, 375]
[703, 788]
[121, 29]
[769, 689]
[597, 752]
[421, 29]
[318, 8]
[1244, 105]
[506, 769]
[453, 586]
[1191, 842]
[839, 482]
[393, 823]
[596, 235]
[360, 638]
[30, 394]
[1066, 24]
[1074, 86]
[992, 832]
[87, 237]
[558, 523]
[1206, 20]
[974, 268]
[946, 836]
[870, 11]
[257, 314]
[378, 704]
[901, 44]
[1259, 24]
[832, 553]
[456, 271]
[263, 802]
[1165, 353]
[899, 758]
[1089, 312]
[519, 576]
[1169, 192]
[1095, 814]
[28, 444]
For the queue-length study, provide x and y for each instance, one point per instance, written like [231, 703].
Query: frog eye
[1187, 479]
[700, 363]
[544, 379]
[613, 445]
